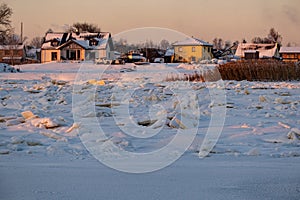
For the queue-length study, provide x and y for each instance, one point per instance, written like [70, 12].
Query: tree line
[272, 37]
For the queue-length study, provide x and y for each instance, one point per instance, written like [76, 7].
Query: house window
[78, 54]
[54, 56]
[93, 43]
[193, 59]
[180, 49]
[54, 43]
[193, 49]
[7, 52]
[15, 52]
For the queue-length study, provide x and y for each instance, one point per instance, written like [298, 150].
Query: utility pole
[22, 32]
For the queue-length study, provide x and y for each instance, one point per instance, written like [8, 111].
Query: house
[151, 53]
[12, 54]
[32, 54]
[256, 51]
[290, 54]
[169, 56]
[77, 46]
[192, 50]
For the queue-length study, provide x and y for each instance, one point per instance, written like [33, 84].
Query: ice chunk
[176, 123]
[28, 115]
[95, 82]
[294, 134]
[5, 119]
[262, 99]
[74, 126]
[44, 123]
[34, 143]
[253, 152]
[4, 152]
[284, 125]
[14, 122]
[53, 136]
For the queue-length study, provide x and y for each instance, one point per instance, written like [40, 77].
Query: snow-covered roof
[102, 44]
[32, 51]
[265, 50]
[169, 52]
[51, 36]
[83, 43]
[289, 50]
[81, 39]
[15, 47]
[192, 42]
[250, 51]
[14, 57]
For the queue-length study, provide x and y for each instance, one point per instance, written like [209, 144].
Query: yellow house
[192, 50]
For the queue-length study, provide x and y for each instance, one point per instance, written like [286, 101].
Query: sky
[205, 19]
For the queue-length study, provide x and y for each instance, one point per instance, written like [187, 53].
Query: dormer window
[93, 42]
[54, 43]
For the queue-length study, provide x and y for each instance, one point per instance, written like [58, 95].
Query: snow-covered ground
[44, 152]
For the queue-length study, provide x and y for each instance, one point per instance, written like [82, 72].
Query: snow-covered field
[46, 129]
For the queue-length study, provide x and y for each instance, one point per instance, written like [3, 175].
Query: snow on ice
[260, 115]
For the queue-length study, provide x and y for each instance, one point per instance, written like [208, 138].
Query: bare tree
[49, 31]
[149, 44]
[215, 43]
[13, 47]
[164, 44]
[228, 44]
[5, 21]
[218, 43]
[84, 27]
[37, 42]
[274, 36]
[236, 43]
[257, 40]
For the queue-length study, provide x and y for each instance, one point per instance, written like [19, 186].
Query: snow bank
[5, 68]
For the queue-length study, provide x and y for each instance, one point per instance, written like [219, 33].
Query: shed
[290, 54]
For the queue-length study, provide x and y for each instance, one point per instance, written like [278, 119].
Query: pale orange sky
[205, 19]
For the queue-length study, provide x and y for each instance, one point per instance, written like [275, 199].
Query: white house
[77, 46]
[255, 51]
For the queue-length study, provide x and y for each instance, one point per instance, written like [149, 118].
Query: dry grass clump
[207, 75]
[260, 70]
[250, 70]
